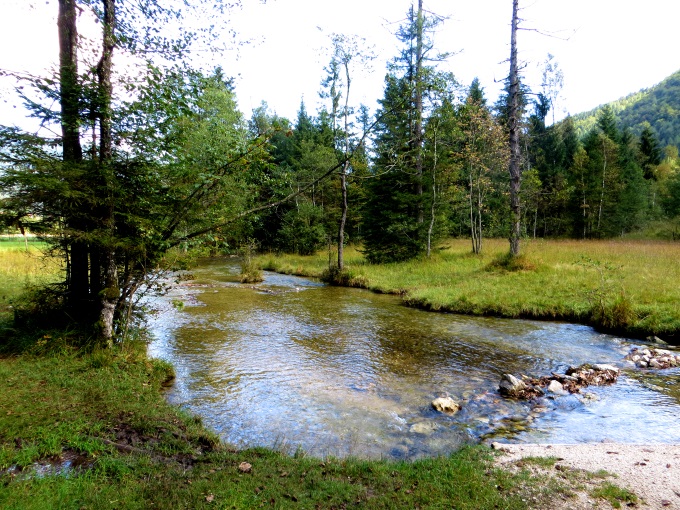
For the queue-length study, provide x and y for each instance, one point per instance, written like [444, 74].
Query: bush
[250, 272]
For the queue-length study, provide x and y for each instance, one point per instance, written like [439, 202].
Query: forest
[158, 157]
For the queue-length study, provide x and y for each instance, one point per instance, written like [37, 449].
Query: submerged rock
[446, 405]
[425, 428]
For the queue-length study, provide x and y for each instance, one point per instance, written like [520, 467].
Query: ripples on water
[291, 363]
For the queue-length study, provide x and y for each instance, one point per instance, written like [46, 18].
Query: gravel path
[652, 472]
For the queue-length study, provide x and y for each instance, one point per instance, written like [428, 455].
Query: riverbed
[297, 365]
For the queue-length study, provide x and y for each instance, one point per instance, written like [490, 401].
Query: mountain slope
[659, 105]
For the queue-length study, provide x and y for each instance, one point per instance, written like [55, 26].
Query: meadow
[22, 266]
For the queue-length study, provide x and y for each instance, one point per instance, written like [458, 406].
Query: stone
[446, 405]
[602, 367]
[510, 385]
[556, 388]
[245, 467]
[656, 340]
[642, 364]
[655, 364]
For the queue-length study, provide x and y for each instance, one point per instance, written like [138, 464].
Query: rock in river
[446, 405]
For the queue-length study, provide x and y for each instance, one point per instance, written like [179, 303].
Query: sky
[606, 49]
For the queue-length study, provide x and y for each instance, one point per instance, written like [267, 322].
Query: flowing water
[291, 363]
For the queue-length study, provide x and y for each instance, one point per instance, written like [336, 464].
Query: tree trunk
[604, 175]
[343, 175]
[433, 209]
[72, 152]
[418, 135]
[68, 78]
[513, 121]
[110, 293]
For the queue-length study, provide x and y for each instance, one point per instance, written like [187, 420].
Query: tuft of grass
[614, 494]
[250, 271]
[508, 262]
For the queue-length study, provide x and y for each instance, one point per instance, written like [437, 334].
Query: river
[297, 365]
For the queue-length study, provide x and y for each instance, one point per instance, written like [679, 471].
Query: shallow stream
[291, 363]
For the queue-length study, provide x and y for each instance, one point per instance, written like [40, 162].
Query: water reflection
[292, 363]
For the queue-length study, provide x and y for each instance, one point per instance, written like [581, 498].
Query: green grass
[21, 268]
[629, 287]
[615, 495]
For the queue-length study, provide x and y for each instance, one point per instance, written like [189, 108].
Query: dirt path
[652, 472]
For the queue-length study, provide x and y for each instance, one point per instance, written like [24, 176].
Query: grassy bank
[626, 287]
[90, 429]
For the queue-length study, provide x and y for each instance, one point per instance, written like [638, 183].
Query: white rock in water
[662, 352]
[654, 363]
[604, 367]
[510, 385]
[446, 405]
[642, 364]
[557, 388]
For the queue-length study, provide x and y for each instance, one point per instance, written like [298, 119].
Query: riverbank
[651, 472]
[623, 287]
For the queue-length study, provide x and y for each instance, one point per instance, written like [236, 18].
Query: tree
[483, 153]
[394, 226]
[650, 152]
[514, 133]
[105, 210]
[346, 53]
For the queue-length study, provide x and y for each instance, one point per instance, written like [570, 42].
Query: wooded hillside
[659, 106]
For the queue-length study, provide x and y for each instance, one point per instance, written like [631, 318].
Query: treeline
[436, 165]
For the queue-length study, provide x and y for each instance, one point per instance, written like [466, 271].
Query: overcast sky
[605, 48]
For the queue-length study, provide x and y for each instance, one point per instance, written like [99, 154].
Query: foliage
[302, 231]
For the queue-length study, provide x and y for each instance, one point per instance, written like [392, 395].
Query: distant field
[21, 267]
[626, 286]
